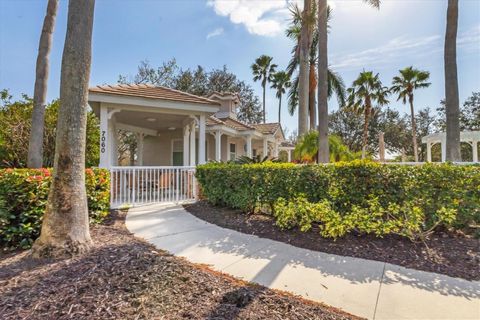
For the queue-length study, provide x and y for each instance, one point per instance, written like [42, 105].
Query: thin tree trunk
[323, 147]
[263, 103]
[451, 84]
[280, 110]
[365, 132]
[35, 145]
[312, 110]
[65, 230]
[303, 71]
[414, 129]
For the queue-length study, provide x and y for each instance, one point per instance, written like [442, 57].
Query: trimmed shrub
[361, 196]
[23, 197]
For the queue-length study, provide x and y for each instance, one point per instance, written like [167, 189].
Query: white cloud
[393, 49]
[265, 18]
[215, 33]
[260, 17]
[401, 47]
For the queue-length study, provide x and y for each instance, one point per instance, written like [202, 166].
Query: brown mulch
[125, 278]
[445, 253]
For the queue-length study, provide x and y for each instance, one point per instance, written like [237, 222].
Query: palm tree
[35, 145]
[335, 82]
[263, 70]
[322, 29]
[404, 85]
[366, 91]
[65, 230]
[280, 81]
[306, 148]
[305, 43]
[451, 84]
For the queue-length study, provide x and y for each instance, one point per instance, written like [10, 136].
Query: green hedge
[361, 196]
[23, 196]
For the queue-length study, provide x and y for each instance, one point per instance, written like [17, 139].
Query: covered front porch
[177, 132]
[151, 139]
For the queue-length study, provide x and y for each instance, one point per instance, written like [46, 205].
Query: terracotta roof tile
[152, 92]
[267, 128]
[229, 122]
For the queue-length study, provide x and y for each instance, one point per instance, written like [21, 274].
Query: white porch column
[192, 144]
[201, 140]
[249, 146]
[429, 151]
[104, 151]
[275, 149]
[218, 146]
[140, 149]
[112, 142]
[289, 155]
[228, 148]
[443, 144]
[186, 146]
[475, 150]
[265, 147]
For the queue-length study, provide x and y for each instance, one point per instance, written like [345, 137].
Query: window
[233, 152]
[177, 152]
[254, 152]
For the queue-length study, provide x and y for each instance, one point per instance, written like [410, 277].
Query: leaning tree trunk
[35, 145]
[303, 71]
[323, 147]
[451, 84]
[65, 230]
[365, 132]
[414, 129]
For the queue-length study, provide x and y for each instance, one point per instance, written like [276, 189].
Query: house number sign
[102, 142]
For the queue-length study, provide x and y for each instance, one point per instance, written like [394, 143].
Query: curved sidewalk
[371, 289]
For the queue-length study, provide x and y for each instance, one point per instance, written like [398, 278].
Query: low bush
[360, 196]
[23, 196]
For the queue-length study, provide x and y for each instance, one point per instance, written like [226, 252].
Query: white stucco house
[175, 128]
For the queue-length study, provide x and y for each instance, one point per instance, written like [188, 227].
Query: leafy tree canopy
[15, 124]
[200, 82]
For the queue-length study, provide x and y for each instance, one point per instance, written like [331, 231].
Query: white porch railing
[131, 186]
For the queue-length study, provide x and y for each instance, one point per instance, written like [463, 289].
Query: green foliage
[23, 197]
[357, 196]
[15, 123]
[306, 148]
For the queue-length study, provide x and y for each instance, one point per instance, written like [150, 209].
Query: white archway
[470, 137]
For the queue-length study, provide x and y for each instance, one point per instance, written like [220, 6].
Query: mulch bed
[446, 253]
[126, 278]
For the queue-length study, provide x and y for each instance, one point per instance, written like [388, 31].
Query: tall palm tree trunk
[365, 131]
[451, 84]
[303, 71]
[323, 147]
[414, 129]
[65, 229]
[280, 109]
[312, 110]
[263, 85]
[35, 145]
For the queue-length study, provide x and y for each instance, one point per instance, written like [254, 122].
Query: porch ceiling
[162, 121]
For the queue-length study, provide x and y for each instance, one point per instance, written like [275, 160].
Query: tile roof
[287, 144]
[267, 128]
[229, 122]
[152, 92]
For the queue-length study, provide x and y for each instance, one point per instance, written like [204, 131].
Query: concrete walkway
[365, 288]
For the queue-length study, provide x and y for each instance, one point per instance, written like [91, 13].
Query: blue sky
[234, 32]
